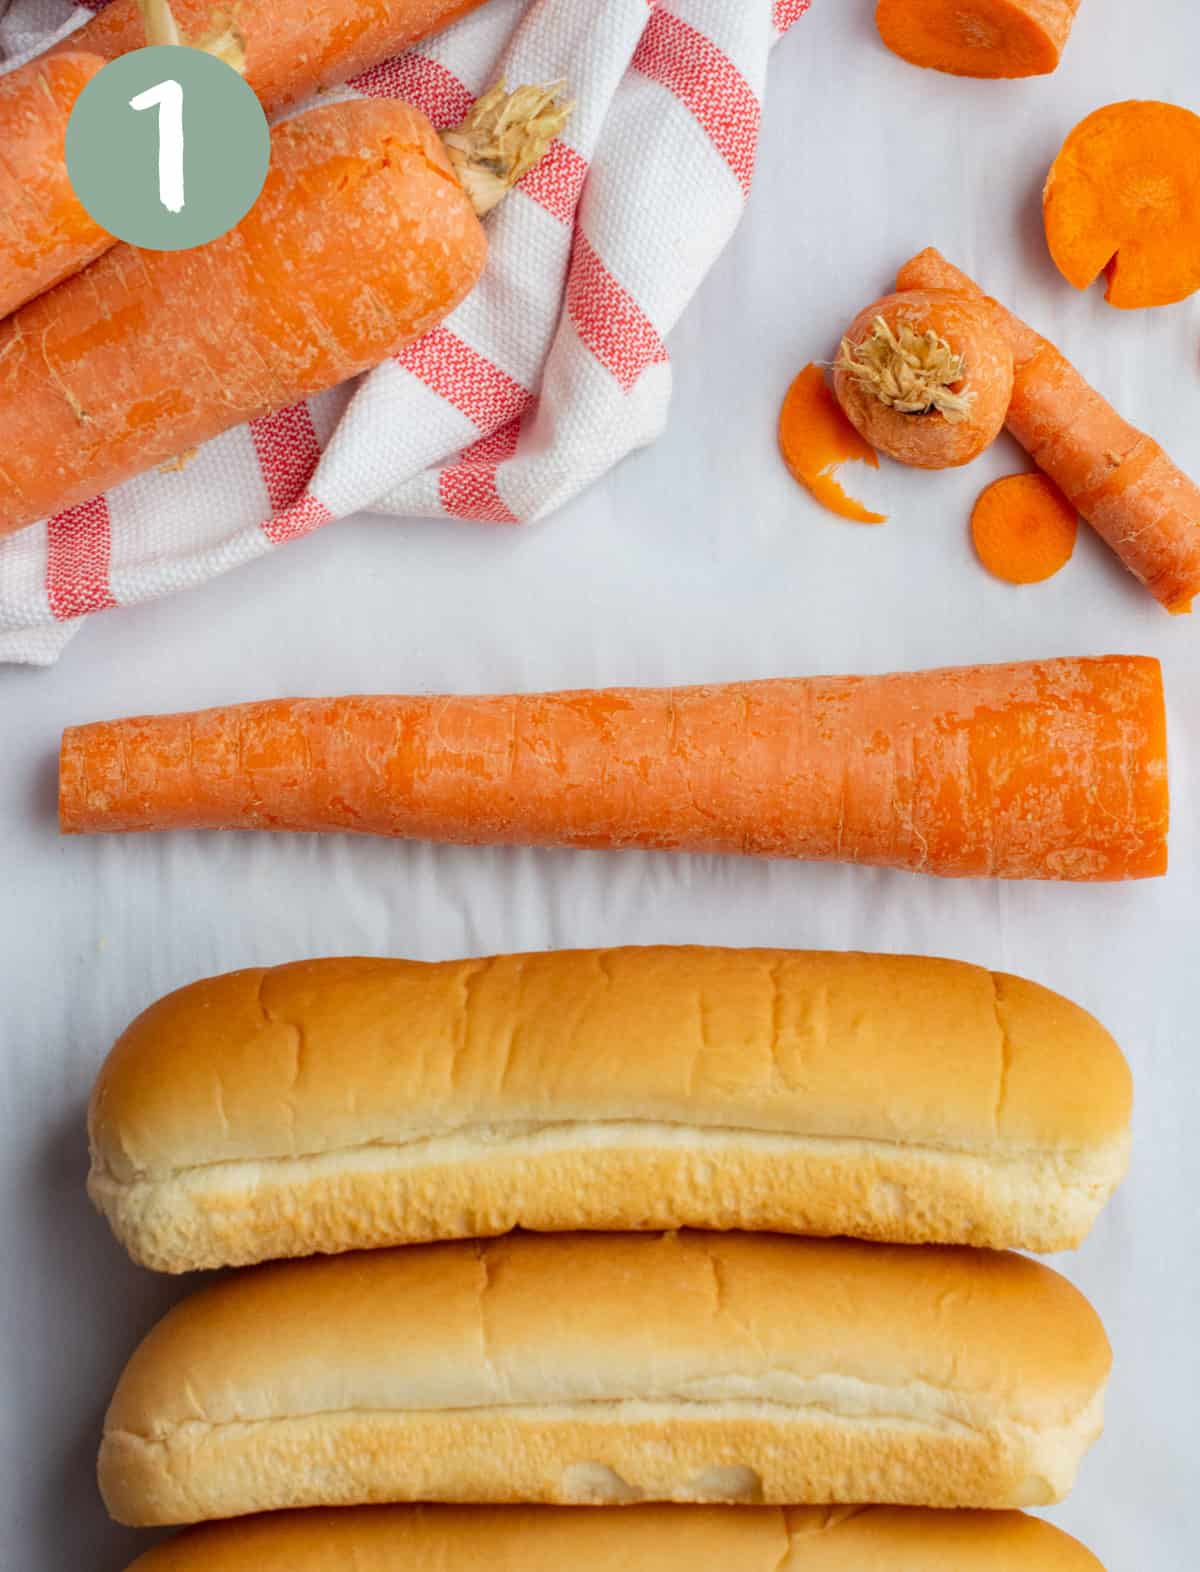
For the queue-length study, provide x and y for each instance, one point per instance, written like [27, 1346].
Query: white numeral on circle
[167, 97]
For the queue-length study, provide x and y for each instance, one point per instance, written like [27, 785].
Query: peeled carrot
[362, 239]
[989, 38]
[292, 47]
[1050, 770]
[46, 233]
[816, 439]
[925, 377]
[1119, 479]
[1123, 199]
[1024, 529]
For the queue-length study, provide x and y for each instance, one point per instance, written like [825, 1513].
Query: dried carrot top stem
[908, 371]
[224, 39]
[503, 137]
[1044, 770]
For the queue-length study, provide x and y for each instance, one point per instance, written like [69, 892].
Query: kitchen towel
[551, 371]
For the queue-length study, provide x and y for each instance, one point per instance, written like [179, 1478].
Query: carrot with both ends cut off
[1044, 770]
[364, 237]
[984, 38]
[46, 233]
[1119, 479]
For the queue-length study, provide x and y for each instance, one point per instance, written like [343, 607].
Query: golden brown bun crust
[645, 1538]
[588, 1368]
[280, 1112]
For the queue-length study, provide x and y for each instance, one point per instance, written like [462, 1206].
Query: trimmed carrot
[987, 38]
[815, 439]
[362, 239]
[1123, 199]
[292, 48]
[1139, 502]
[1024, 529]
[46, 233]
[1045, 770]
[925, 377]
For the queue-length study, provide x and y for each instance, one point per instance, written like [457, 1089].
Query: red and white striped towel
[550, 372]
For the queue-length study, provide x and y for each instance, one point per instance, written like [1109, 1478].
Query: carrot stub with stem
[1044, 770]
[815, 439]
[46, 233]
[1140, 503]
[1123, 199]
[985, 38]
[1024, 529]
[361, 240]
[925, 376]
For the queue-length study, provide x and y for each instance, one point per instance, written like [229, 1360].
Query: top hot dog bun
[342, 1104]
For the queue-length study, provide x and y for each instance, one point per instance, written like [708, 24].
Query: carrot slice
[988, 38]
[926, 377]
[1024, 529]
[816, 439]
[1123, 199]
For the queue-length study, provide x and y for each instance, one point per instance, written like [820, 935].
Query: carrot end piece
[816, 439]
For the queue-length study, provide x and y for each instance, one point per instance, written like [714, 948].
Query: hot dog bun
[648, 1538]
[589, 1368]
[343, 1104]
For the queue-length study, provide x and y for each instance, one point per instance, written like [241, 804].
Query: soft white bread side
[645, 1538]
[591, 1368]
[346, 1104]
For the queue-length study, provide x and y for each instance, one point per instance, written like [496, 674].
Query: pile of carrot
[1116, 477]
[1047, 770]
[361, 240]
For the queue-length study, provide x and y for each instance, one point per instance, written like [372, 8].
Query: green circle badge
[167, 148]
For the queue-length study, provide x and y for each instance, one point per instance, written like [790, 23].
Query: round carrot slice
[1123, 199]
[1024, 529]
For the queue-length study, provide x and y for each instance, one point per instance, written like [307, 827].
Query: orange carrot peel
[983, 38]
[1139, 502]
[816, 439]
[1044, 770]
[1024, 529]
[1123, 199]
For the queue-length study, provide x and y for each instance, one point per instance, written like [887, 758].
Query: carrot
[1050, 770]
[361, 240]
[1024, 529]
[1123, 199]
[988, 38]
[1140, 503]
[292, 48]
[46, 233]
[815, 439]
[925, 377]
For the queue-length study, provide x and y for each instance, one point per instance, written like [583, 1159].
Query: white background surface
[697, 560]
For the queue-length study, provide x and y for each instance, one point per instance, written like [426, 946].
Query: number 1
[167, 97]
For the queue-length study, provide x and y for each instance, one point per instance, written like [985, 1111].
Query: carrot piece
[815, 439]
[1123, 199]
[1044, 770]
[986, 38]
[1140, 503]
[926, 377]
[362, 239]
[46, 233]
[1024, 529]
[292, 48]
